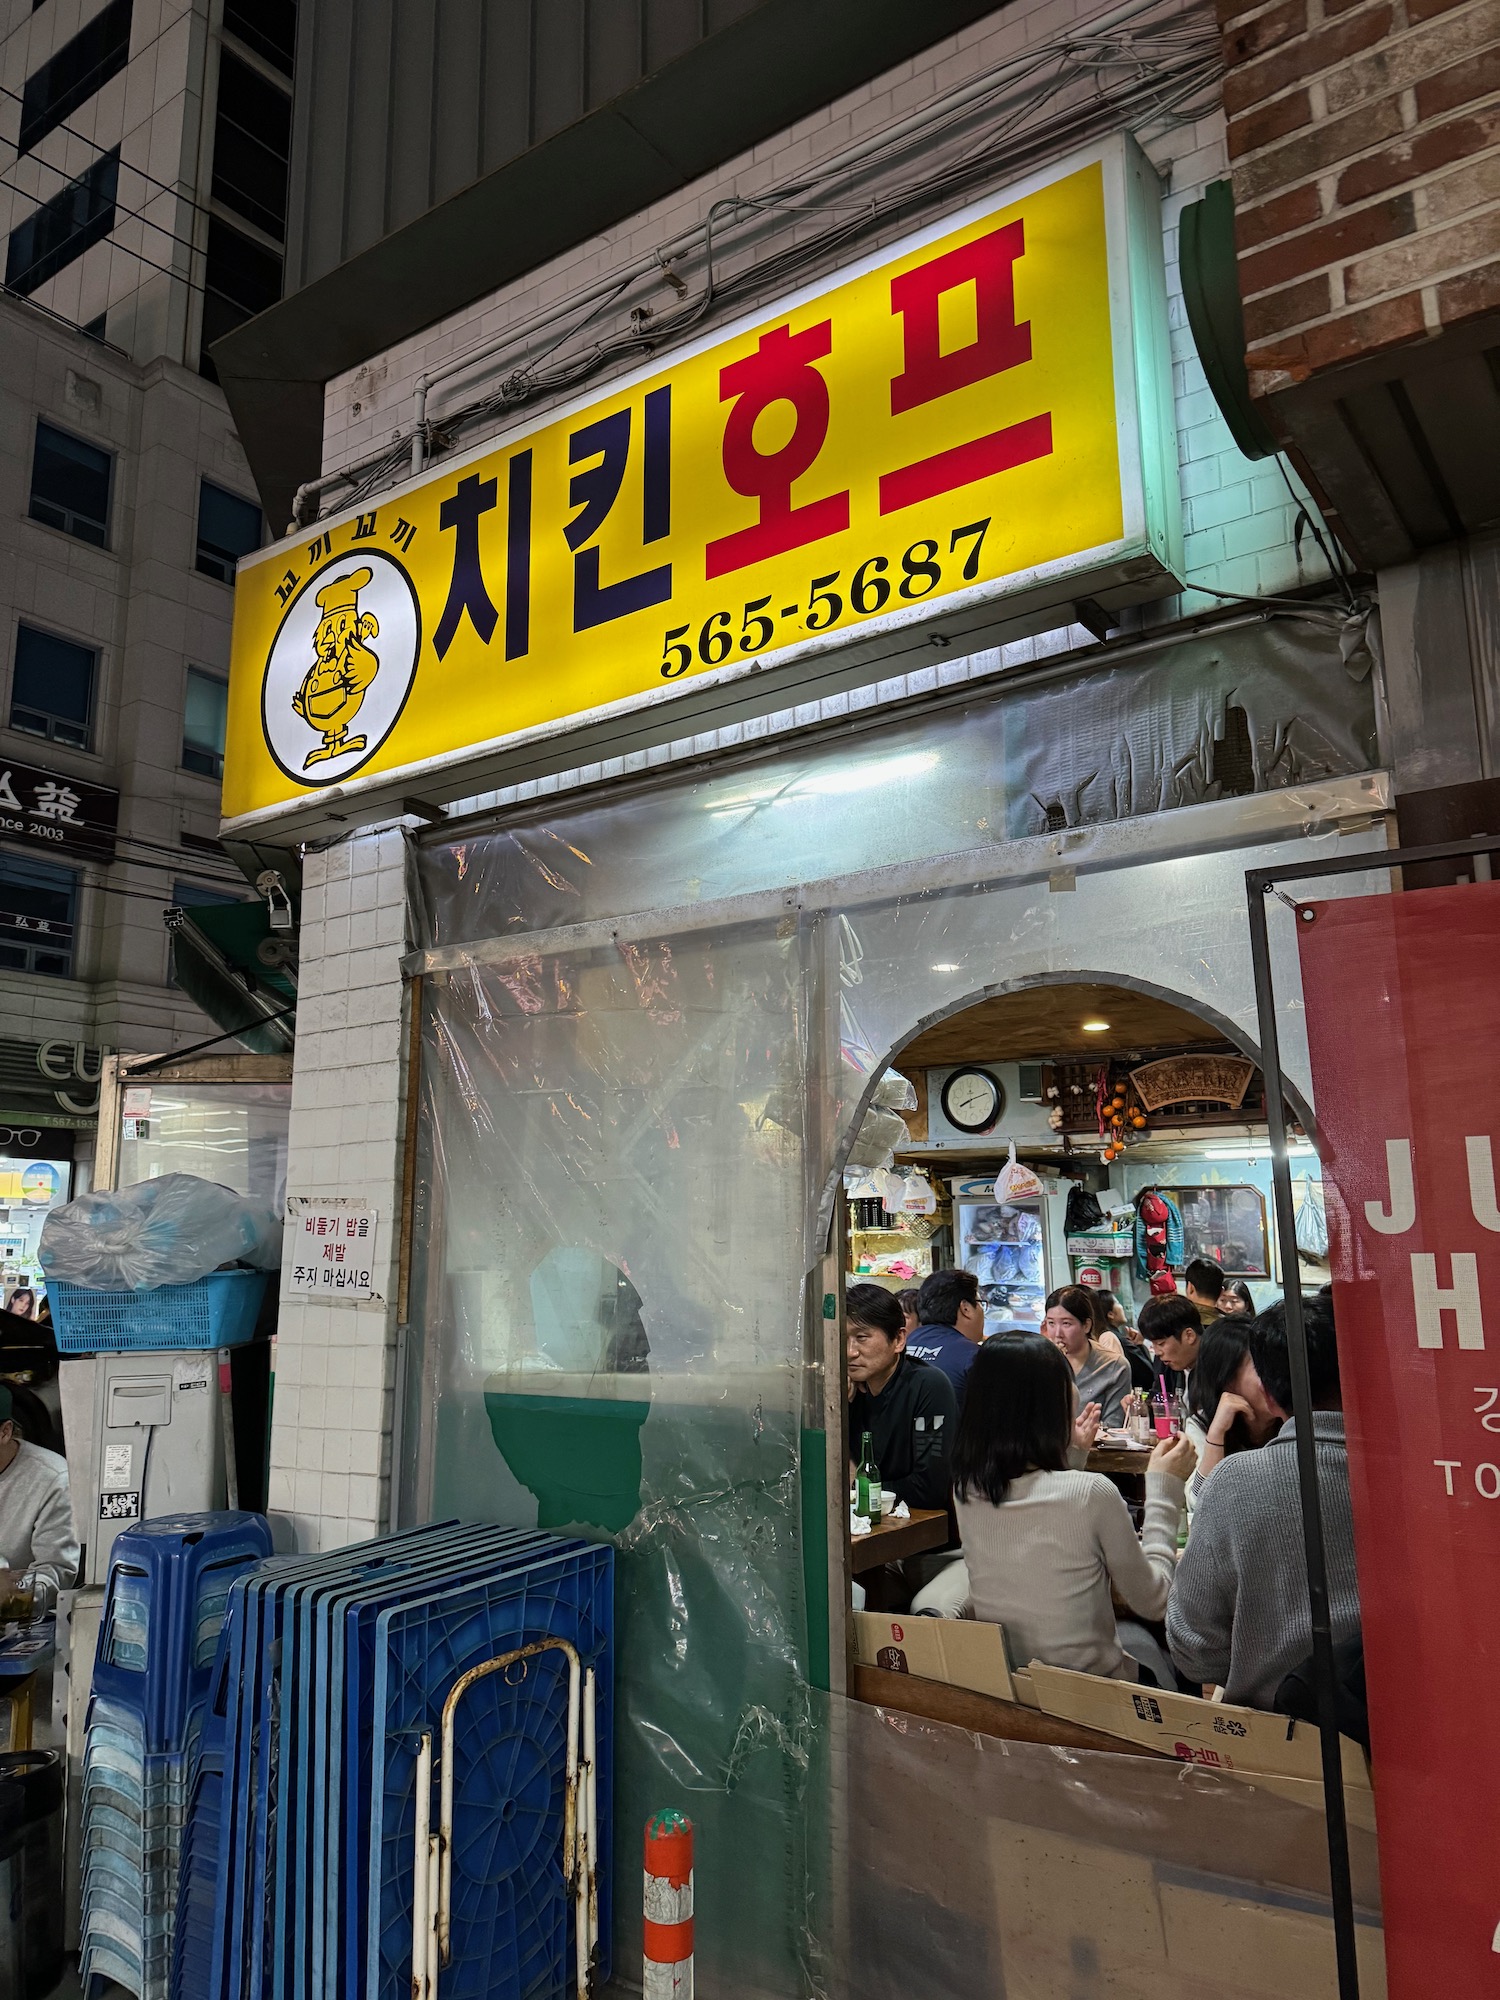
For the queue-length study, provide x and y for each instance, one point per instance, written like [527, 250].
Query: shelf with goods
[870, 1249]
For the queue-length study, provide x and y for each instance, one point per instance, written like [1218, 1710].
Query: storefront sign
[332, 1247]
[64, 815]
[1405, 1046]
[969, 429]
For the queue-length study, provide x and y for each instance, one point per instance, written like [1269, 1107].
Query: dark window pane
[267, 26]
[63, 228]
[205, 715]
[52, 689]
[70, 485]
[252, 139]
[228, 528]
[199, 896]
[96, 53]
[38, 906]
[242, 278]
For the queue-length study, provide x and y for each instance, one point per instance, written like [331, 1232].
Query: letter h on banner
[1461, 1298]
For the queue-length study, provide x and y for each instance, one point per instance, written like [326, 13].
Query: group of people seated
[999, 1430]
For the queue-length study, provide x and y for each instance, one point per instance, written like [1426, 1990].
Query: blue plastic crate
[217, 1311]
[164, 1602]
[512, 1917]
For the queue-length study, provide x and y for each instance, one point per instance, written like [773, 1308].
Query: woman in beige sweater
[1044, 1540]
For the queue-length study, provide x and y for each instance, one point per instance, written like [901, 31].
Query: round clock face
[972, 1100]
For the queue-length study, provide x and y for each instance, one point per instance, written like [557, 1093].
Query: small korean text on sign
[332, 1248]
[944, 423]
[49, 810]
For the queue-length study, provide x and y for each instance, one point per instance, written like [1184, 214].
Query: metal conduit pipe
[845, 162]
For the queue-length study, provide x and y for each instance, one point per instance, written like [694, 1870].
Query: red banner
[1403, 1021]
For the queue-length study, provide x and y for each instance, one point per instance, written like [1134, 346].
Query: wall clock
[972, 1100]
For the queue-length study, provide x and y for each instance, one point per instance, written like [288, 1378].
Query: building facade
[143, 209]
[621, 1008]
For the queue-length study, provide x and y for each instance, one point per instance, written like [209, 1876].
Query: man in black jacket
[907, 1405]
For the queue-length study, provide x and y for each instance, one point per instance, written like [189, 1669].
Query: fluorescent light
[1094, 1027]
[859, 777]
[947, 968]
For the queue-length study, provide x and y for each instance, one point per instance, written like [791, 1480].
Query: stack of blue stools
[333, 1669]
[164, 1604]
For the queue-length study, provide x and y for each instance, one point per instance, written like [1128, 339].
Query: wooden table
[891, 1542]
[1118, 1460]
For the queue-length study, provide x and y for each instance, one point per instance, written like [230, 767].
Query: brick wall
[1365, 145]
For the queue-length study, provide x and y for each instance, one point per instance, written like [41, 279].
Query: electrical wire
[1337, 570]
[1147, 97]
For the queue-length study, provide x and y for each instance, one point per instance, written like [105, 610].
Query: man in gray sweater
[36, 1514]
[1237, 1616]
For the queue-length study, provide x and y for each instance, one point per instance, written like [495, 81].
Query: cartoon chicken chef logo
[331, 695]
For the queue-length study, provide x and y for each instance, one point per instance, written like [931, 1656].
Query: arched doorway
[1038, 1063]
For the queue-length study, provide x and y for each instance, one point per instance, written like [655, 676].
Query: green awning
[229, 961]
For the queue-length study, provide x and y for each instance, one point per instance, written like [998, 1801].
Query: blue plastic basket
[217, 1311]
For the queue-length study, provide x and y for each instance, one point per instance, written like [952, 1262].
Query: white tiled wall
[335, 1364]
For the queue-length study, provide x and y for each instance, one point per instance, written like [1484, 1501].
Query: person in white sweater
[36, 1516]
[1043, 1539]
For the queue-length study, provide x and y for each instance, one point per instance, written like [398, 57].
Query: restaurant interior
[1103, 1091]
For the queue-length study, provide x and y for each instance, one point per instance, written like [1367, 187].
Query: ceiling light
[1095, 1027]
[947, 968]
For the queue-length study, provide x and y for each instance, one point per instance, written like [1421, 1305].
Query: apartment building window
[195, 895]
[252, 143]
[228, 528]
[241, 278]
[269, 27]
[204, 715]
[38, 916]
[82, 214]
[70, 78]
[52, 688]
[70, 483]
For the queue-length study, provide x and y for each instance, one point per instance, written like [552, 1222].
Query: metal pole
[1324, 1678]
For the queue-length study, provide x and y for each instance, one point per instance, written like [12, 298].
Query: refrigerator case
[1016, 1249]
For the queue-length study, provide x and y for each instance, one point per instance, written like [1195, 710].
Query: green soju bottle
[867, 1483]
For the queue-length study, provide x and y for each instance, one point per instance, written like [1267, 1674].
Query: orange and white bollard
[669, 1908]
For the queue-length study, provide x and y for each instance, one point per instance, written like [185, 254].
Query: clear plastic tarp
[650, 1023]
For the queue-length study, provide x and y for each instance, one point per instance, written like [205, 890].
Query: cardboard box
[1283, 1949]
[1212, 1733]
[1078, 1918]
[964, 1652]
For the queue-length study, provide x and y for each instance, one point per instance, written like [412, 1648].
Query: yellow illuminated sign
[952, 425]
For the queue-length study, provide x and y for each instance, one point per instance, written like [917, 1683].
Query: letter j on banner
[1404, 1039]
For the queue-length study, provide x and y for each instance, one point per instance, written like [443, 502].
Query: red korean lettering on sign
[988, 266]
[781, 370]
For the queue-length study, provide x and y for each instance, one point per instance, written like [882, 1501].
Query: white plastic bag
[894, 1092]
[1015, 1182]
[169, 1231]
[879, 1132]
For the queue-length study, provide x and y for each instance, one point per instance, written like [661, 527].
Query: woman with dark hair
[1071, 1324]
[1227, 1407]
[1236, 1300]
[1044, 1540]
